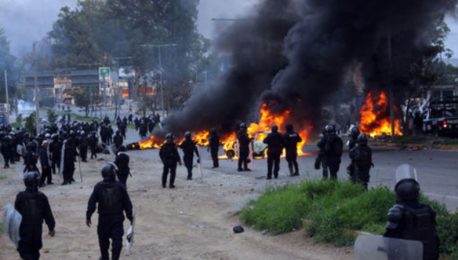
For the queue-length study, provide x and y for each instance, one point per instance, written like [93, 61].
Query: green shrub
[284, 208]
[332, 212]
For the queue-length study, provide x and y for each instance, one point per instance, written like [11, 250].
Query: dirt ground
[194, 221]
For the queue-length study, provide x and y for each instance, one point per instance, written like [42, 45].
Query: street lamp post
[159, 47]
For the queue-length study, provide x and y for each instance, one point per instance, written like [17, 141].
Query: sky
[26, 21]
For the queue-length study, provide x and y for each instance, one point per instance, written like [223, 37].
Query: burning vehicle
[375, 116]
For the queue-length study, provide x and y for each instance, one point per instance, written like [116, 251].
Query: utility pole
[390, 82]
[6, 88]
[161, 85]
[35, 80]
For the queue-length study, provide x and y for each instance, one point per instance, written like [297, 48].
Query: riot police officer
[45, 165]
[122, 162]
[408, 218]
[275, 144]
[333, 148]
[68, 163]
[93, 143]
[214, 143]
[118, 139]
[83, 145]
[361, 156]
[112, 200]
[55, 152]
[169, 157]
[291, 139]
[30, 158]
[244, 148]
[34, 208]
[189, 147]
[6, 143]
[354, 134]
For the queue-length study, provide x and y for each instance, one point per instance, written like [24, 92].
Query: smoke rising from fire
[297, 53]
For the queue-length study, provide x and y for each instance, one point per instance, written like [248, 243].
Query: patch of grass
[285, 210]
[332, 212]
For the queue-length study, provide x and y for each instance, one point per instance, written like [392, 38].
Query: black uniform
[55, 148]
[30, 161]
[93, 143]
[6, 144]
[69, 162]
[333, 148]
[244, 149]
[118, 139]
[361, 156]
[45, 167]
[169, 157]
[83, 145]
[275, 145]
[189, 148]
[214, 147]
[291, 139]
[112, 199]
[411, 220]
[122, 162]
[351, 167]
[34, 208]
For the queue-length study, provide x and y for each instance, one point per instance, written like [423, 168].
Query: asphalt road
[437, 170]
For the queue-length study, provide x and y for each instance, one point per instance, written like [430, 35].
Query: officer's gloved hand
[372, 164]
[198, 160]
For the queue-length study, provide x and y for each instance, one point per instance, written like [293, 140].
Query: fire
[259, 131]
[375, 118]
[153, 142]
[201, 138]
[256, 131]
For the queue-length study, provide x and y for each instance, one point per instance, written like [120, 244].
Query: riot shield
[383, 248]
[406, 172]
[11, 222]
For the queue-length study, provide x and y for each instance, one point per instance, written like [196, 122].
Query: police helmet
[31, 179]
[274, 129]
[362, 139]
[213, 130]
[108, 172]
[407, 187]
[354, 132]
[187, 135]
[242, 126]
[169, 137]
[330, 129]
[289, 127]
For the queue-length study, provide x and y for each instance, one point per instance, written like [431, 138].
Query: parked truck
[441, 117]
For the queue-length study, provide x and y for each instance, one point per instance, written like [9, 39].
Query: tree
[96, 31]
[30, 124]
[52, 116]
[84, 97]
[8, 63]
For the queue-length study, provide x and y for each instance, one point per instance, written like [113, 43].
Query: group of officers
[111, 199]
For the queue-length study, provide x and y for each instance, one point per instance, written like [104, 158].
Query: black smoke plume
[297, 52]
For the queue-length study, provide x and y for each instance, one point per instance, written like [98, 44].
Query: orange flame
[257, 131]
[374, 116]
